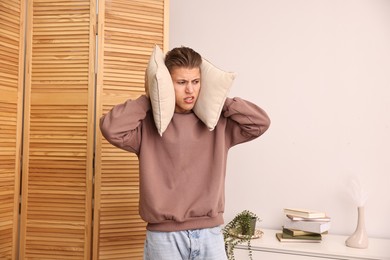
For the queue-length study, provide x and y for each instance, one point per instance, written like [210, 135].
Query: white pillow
[161, 92]
[215, 86]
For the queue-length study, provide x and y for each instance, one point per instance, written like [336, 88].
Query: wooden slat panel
[56, 218]
[128, 31]
[11, 105]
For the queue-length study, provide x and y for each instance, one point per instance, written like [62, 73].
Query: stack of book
[304, 225]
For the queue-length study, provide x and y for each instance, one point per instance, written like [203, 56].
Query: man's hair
[182, 57]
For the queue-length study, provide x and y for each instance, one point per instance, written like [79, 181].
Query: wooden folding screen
[11, 94]
[58, 130]
[62, 106]
[128, 31]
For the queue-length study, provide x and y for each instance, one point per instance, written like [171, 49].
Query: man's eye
[196, 81]
[181, 82]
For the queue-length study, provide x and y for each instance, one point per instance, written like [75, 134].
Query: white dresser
[331, 247]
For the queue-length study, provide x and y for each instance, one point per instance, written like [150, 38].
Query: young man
[182, 173]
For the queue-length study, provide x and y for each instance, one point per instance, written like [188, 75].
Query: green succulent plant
[240, 229]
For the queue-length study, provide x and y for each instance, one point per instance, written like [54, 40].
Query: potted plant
[240, 229]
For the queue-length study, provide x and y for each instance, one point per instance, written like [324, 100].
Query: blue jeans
[198, 244]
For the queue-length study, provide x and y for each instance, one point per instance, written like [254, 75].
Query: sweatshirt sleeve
[121, 125]
[246, 121]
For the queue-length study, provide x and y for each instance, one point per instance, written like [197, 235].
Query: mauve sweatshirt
[182, 172]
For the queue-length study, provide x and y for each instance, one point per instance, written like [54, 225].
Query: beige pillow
[215, 86]
[159, 84]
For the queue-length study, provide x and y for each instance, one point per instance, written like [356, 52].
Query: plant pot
[252, 227]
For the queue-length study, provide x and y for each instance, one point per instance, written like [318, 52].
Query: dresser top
[331, 246]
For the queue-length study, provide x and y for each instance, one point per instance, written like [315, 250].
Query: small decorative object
[359, 238]
[241, 229]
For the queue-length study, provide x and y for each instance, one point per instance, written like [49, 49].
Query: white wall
[321, 69]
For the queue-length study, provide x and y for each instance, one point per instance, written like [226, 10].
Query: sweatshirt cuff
[228, 102]
[144, 102]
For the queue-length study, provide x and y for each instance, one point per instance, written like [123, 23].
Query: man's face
[187, 85]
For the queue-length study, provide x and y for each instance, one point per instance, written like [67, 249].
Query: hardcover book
[305, 213]
[308, 226]
[323, 219]
[295, 232]
[281, 238]
[312, 236]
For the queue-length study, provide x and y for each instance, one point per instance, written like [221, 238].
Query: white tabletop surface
[330, 246]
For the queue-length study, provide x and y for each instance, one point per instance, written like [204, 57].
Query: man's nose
[189, 88]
